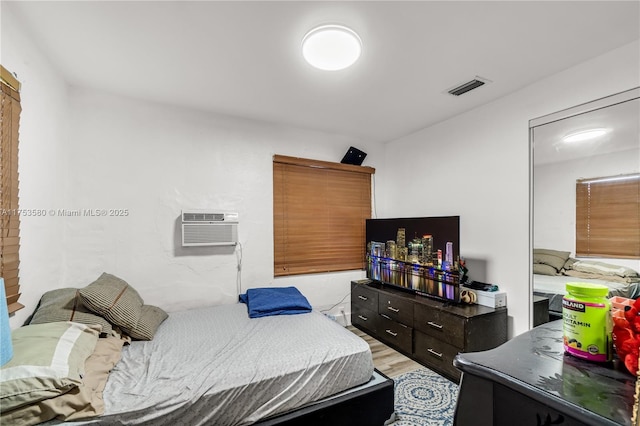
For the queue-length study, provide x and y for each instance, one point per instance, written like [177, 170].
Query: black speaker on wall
[353, 156]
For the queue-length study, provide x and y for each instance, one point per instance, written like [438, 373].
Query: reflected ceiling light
[331, 47]
[584, 135]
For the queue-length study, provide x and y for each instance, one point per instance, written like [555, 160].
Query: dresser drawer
[441, 325]
[365, 318]
[364, 296]
[436, 354]
[396, 307]
[395, 333]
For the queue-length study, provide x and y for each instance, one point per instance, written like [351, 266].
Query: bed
[553, 288]
[553, 269]
[217, 365]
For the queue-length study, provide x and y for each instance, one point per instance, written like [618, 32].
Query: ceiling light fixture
[331, 47]
[584, 135]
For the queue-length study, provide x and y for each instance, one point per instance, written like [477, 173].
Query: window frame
[9, 189]
[323, 202]
[608, 217]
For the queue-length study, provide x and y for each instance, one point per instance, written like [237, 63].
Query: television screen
[419, 254]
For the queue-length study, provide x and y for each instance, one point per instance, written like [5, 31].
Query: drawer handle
[362, 318]
[391, 333]
[435, 325]
[392, 309]
[431, 351]
[362, 297]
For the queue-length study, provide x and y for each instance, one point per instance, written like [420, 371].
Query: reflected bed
[553, 269]
[554, 288]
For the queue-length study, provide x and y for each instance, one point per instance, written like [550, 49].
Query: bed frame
[365, 405]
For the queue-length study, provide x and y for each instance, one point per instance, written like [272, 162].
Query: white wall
[476, 165]
[153, 161]
[42, 162]
[96, 151]
[555, 198]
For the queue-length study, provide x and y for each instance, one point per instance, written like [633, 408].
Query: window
[319, 212]
[608, 217]
[9, 213]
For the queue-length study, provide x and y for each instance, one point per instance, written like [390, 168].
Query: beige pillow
[569, 263]
[80, 402]
[553, 258]
[64, 304]
[48, 360]
[113, 299]
[542, 269]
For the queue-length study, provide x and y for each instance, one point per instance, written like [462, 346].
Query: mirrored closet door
[586, 198]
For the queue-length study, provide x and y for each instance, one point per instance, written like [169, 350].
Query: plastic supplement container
[586, 322]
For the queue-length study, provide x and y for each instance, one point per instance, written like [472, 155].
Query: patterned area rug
[424, 398]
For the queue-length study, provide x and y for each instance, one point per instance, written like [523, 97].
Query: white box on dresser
[492, 299]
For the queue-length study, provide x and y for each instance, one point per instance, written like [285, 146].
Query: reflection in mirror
[586, 200]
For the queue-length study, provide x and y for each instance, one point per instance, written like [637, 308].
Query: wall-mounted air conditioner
[209, 228]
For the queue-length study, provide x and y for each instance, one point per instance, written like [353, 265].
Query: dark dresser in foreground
[430, 331]
[530, 381]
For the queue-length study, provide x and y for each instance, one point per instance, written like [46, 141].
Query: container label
[580, 306]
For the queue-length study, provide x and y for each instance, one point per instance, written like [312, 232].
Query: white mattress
[217, 366]
[554, 287]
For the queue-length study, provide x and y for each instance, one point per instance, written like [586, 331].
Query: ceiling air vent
[469, 85]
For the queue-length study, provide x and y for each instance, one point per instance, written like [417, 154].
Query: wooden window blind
[9, 213]
[608, 217]
[319, 212]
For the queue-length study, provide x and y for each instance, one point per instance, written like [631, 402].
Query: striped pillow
[150, 320]
[64, 304]
[113, 299]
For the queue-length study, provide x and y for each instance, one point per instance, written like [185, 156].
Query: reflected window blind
[319, 212]
[9, 214]
[608, 217]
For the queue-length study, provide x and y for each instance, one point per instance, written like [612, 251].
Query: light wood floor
[389, 361]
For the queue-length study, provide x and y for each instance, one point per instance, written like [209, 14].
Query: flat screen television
[419, 254]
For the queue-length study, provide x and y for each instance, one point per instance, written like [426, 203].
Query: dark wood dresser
[430, 331]
[530, 381]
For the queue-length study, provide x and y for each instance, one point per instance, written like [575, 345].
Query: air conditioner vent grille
[202, 217]
[466, 87]
[196, 234]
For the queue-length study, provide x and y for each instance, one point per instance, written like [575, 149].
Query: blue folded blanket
[262, 302]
